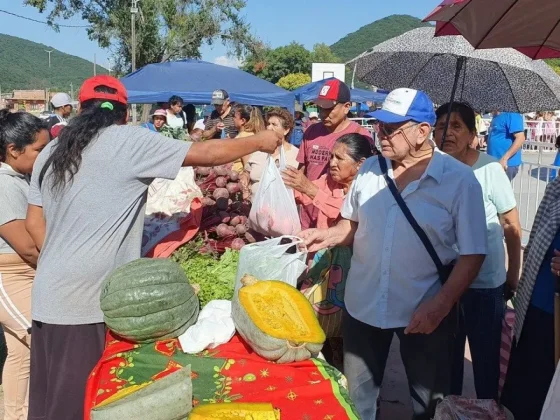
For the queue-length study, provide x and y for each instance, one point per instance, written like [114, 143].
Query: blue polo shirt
[543, 292]
[503, 128]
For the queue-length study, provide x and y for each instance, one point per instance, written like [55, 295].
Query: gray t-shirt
[13, 200]
[95, 224]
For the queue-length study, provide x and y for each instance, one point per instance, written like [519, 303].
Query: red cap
[87, 91]
[333, 92]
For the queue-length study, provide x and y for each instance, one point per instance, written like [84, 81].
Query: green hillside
[25, 65]
[376, 32]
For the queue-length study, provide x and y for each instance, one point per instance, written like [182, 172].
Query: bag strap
[406, 211]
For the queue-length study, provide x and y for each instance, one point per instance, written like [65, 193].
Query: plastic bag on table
[273, 259]
[460, 408]
[274, 212]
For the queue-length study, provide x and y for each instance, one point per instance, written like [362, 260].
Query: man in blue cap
[394, 286]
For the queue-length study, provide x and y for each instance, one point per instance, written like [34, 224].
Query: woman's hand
[270, 140]
[555, 263]
[315, 239]
[298, 181]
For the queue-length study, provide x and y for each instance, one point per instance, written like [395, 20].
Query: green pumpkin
[148, 300]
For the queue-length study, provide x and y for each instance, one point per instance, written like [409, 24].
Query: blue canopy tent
[311, 91]
[195, 80]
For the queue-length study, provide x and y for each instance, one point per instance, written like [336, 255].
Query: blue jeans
[512, 172]
[482, 312]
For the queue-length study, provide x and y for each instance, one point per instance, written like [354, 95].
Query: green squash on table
[169, 398]
[148, 300]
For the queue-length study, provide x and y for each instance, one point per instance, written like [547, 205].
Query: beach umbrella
[449, 68]
[530, 26]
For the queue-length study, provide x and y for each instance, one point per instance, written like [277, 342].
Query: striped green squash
[148, 300]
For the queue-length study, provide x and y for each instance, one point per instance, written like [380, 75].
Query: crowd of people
[425, 214]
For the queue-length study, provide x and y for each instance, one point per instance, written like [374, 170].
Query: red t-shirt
[316, 147]
[315, 154]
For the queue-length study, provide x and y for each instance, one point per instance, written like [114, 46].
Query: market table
[309, 390]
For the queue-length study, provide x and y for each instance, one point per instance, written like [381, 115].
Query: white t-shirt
[391, 272]
[175, 121]
[499, 198]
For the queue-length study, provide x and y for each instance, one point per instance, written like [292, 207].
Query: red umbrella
[530, 26]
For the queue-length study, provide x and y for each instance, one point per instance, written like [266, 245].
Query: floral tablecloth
[309, 390]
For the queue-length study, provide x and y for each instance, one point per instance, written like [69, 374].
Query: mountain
[376, 32]
[25, 65]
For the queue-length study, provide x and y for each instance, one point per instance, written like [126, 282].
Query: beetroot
[221, 182]
[241, 229]
[234, 221]
[237, 244]
[223, 230]
[233, 187]
[233, 176]
[224, 215]
[243, 220]
[207, 202]
[220, 193]
[250, 238]
[212, 173]
[221, 171]
[202, 171]
[222, 203]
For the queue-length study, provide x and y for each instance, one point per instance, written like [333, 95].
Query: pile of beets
[225, 213]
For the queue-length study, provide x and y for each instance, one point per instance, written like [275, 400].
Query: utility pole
[72, 90]
[49, 56]
[133, 12]
[94, 64]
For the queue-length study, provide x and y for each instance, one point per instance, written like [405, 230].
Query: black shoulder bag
[444, 271]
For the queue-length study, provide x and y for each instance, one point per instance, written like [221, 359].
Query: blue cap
[406, 105]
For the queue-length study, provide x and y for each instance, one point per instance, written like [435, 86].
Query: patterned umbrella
[530, 26]
[449, 67]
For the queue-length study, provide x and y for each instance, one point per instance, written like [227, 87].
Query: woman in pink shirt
[328, 192]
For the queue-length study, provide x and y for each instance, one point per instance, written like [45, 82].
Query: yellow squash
[277, 321]
[235, 411]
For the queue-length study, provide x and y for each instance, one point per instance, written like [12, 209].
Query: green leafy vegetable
[216, 277]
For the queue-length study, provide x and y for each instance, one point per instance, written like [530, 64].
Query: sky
[276, 23]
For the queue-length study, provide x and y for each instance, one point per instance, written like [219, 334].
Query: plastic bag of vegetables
[274, 259]
[274, 212]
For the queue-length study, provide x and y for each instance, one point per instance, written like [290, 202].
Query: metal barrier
[535, 173]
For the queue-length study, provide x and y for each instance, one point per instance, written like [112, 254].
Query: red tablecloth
[307, 390]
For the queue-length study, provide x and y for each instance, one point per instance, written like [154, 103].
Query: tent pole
[460, 63]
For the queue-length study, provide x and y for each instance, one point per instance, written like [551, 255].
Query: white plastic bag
[274, 212]
[214, 327]
[268, 260]
[173, 197]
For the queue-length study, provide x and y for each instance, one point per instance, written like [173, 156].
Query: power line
[44, 23]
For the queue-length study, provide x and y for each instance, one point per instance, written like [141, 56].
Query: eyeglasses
[384, 130]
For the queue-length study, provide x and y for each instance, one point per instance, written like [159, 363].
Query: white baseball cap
[61, 99]
[313, 114]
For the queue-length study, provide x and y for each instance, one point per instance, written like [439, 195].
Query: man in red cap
[315, 150]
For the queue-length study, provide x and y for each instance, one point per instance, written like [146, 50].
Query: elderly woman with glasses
[406, 280]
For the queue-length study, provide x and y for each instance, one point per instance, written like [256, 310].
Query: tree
[166, 29]
[322, 54]
[294, 81]
[273, 64]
